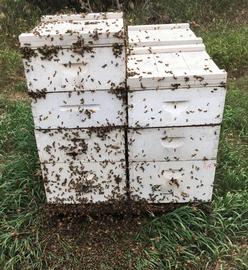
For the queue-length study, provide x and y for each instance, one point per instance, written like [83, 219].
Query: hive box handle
[175, 106]
[172, 142]
[81, 107]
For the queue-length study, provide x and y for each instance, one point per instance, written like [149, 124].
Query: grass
[10, 67]
[208, 237]
[232, 173]
[227, 45]
[20, 188]
[189, 238]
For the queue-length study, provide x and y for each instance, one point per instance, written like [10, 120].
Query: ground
[212, 236]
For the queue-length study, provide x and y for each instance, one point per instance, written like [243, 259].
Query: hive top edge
[162, 34]
[173, 70]
[83, 16]
[93, 29]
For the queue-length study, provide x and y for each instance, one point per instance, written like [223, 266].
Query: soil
[99, 236]
[96, 242]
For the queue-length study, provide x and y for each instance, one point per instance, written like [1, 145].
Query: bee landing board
[175, 106]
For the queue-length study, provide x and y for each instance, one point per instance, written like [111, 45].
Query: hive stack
[75, 70]
[175, 106]
[75, 67]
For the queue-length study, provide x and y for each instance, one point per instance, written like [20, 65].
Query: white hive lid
[94, 29]
[161, 35]
[173, 70]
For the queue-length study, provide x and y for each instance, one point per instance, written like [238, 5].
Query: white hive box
[172, 144]
[75, 70]
[173, 70]
[84, 145]
[172, 182]
[171, 35]
[83, 52]
[180, 107]
[175, 106]
[88, 182]
[79, 109]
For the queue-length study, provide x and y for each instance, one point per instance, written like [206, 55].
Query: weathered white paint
[78, 110]
[172, 182]
[173, 70]
[179, 107]
[172, 144]
[79, 182]
[85, 145]
[64, 32]
[98, 69]
[161, 35]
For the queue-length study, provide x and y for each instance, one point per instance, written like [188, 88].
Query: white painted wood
[172, 182]
[166, 49]
[161, 35]
[84, 182]
[167, 26]
[175, 90]
[69, 71]
[98, 32]
[82, 16]
[172, 144]
[181, 107]
[78, 110]
[173, 70]
[85, 145]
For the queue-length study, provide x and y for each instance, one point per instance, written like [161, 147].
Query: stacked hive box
[75, 69]
[175, 106]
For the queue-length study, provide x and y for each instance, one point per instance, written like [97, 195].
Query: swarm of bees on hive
[83, 109]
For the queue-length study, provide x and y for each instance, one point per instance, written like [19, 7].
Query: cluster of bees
[78, 143]
[37, 94]
[87, 161]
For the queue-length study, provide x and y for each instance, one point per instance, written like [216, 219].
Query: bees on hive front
[85, 112]
[27, 53]
[80, 141]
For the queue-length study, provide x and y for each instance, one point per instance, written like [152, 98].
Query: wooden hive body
[164, 127]
[75, 70]
[175, 106]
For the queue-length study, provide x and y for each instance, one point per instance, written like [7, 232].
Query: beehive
[75, 71]
[89, 131]
[175, 106]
